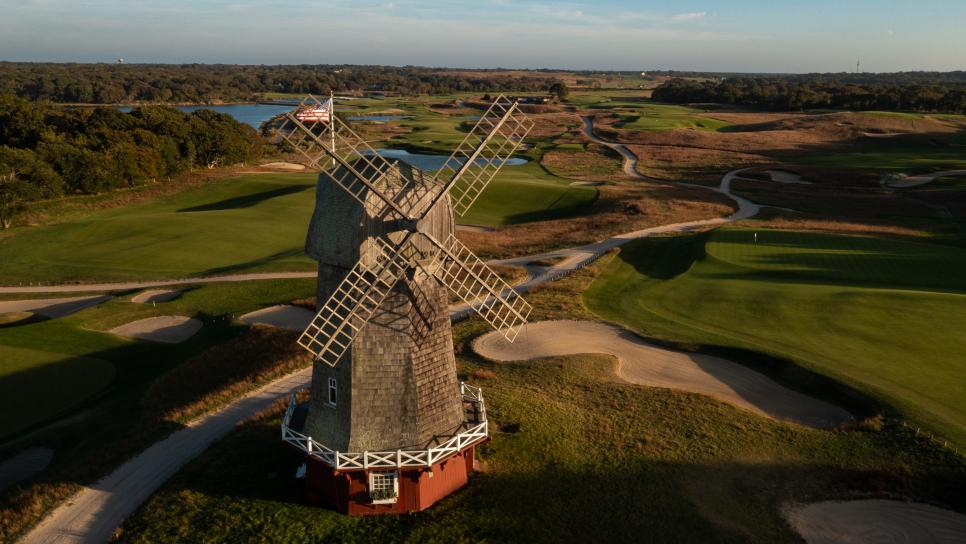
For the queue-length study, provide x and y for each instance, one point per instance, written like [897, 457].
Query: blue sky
[734, 35]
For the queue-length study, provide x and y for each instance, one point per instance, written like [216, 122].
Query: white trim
[382, 475]
[397, 459]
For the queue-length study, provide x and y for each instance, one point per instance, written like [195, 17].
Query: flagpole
[332, 122]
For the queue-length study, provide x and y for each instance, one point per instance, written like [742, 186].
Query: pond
[432, 161]
[250, 114]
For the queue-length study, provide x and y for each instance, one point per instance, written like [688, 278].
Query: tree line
[213, 83]
[817, 92]
[47, 151]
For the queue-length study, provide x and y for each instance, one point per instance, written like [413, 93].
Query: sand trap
[52, 307]
[152, 296]
[783, 176]
[169, 329]
[876, 521]
[586, 183]
[915, 181]
[24, 465]
[645, 364]
[284, 316]
[288, 166]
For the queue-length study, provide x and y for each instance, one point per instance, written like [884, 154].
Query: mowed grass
[575, 456]
[36, 385]
[520, 194]
[654, 116]
[76, 358]
[246, 224]
[883, 316]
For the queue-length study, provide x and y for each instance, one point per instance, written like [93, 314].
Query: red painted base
[419, 488]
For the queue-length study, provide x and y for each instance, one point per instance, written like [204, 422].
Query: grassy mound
[881, 315]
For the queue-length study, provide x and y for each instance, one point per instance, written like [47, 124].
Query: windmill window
[333, 391]
[383, 487]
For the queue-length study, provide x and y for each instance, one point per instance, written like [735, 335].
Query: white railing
[392, 459]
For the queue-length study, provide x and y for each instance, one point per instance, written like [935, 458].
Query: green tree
[559, 90]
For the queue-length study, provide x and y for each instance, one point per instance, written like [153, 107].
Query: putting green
[36, 385]
[884, 316]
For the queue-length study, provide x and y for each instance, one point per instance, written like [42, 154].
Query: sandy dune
[283, 316]
[155, 295]
[877, 521]
[52, 307]
[645, 364]
[168, 329]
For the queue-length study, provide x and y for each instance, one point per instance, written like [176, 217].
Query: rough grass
[575, 457]
[874, 313]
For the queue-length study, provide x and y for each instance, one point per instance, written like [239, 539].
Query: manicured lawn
[667, 117]
[580, 458]
[883, 316]
[249, 223]
[525, 193]
[36, 385]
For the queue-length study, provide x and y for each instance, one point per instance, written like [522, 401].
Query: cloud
[693, 16]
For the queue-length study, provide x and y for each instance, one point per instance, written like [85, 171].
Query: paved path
[52, 307]
[630, 159]
[93, 514]
[645, 364]
[877, 521]
[127, 285]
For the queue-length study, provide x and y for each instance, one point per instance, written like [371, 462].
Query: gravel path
[94, 513]
[645, 364]
[878, 522]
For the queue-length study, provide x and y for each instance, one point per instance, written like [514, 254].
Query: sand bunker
[152, 296]
[169, 329]
[284, 316]
[287, 166]
[878, 521]
[586, 183]
[645, 364]
[24, 465]
[784, 176]
[52, 307]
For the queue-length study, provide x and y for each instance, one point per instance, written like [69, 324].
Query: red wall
[348, 492]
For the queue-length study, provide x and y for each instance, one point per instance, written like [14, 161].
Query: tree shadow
[247, 201]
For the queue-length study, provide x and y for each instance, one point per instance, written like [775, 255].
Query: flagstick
[332, 123]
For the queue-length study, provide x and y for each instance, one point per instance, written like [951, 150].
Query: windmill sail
[360, 168]
[353, 302]
[481, 288]
[483, 152]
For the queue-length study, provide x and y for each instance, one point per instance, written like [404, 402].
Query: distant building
[531, 99]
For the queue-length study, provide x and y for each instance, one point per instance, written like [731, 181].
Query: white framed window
[333, 392]
[383, 487]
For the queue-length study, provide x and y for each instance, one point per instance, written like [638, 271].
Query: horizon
[748, 36]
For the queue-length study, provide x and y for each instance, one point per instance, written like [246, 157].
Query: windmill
[389, 428]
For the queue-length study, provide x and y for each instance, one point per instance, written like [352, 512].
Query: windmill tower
[389, 428]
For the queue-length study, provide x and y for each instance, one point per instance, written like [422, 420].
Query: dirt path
[645, 364]
[877, 521]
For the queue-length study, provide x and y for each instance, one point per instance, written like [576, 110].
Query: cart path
[128, 285]
[832, 522]
[93, 513]
[646, 364]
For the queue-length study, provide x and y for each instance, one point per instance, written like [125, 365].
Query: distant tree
[23, 177]
[559, 90]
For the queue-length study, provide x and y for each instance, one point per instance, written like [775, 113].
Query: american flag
[319, 113]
